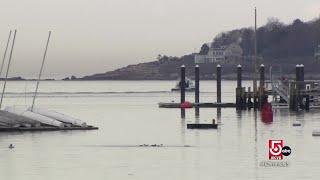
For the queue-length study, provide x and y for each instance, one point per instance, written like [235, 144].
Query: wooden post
[299, 86]
[238, 98]
[197, 87]
[239, 87]
[243, 98]
[218, 83]
[297, 75]
[261, 87]
[239, 76]
[292, 98]
[307, 102]
[262, 75]
[302, 77]
[250, 105]
[182, 84]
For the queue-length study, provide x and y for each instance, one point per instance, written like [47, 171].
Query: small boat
[58, 116]
[189, 86]
[23, 111]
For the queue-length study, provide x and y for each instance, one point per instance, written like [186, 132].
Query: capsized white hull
[58, 116]
[22, 111]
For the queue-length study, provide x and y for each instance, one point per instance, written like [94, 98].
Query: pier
[296, 94]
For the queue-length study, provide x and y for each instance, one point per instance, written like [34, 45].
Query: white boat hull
[58, 116]
[38, 117]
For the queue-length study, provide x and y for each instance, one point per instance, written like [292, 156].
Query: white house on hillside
[220, 54]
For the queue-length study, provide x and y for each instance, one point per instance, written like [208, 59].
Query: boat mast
[8, 67]
[255, 54]
[5, 54]
[40, 73]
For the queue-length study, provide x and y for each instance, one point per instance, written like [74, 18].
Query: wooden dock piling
[218, 83]
[307, 103]
[182, 84]
[239, 88]
[239, 76]
[197, 85]
[261, 87]
[302, 76]
[296, 98]
[249, 101]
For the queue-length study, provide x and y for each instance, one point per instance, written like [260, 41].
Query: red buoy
[186, 104]
[266, 113]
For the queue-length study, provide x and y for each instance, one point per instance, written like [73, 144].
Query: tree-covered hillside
[279, 45]
[275, 39]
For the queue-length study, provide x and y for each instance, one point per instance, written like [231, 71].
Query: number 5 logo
[275, 147]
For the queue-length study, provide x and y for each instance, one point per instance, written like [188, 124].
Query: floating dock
[45, 128]
[316, 133]
[203, 105]
[202, 126]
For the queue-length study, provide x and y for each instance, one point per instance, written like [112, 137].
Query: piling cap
[297, 65]
[262, 65]
[218, 65]
[239, 66]
[183, 66]
[301, 65]
[197, 66]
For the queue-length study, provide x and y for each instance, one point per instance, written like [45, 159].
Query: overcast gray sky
[90, 36]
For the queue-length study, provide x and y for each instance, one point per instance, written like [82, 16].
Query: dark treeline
[276, 39]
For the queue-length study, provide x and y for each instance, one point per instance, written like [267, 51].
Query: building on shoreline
[220, 54]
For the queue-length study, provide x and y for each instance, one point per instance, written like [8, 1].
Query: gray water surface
[128, 116]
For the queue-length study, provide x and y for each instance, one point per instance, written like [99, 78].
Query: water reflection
[256, 143]
[219, 115]
[183, 126]
[197, 112]
[183, 113]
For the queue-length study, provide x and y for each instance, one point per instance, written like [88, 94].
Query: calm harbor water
[127, 114]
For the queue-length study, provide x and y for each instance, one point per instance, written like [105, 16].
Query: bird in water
[11, 146]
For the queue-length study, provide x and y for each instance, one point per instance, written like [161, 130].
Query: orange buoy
[186, 104]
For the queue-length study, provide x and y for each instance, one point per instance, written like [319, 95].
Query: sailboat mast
[40, 73]
[8, 67]
[255, 55]
[5, 53]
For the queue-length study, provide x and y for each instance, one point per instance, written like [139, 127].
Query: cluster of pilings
[244, 99]
[298, 98]
[247, 99]
[197, 84]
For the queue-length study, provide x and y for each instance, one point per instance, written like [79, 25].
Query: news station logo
[277, 150]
